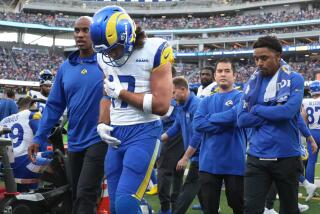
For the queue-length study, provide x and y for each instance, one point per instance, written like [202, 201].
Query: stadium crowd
[182, 22]
[227, 135]
[24, 64]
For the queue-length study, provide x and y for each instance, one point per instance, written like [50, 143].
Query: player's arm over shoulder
[161, 79]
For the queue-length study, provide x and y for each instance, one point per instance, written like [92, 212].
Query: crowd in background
[25, 64]
[232, 46]
[180, 22]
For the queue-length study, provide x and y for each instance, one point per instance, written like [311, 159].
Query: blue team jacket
[184, 118]
[78, 86]
[275, 132]
[7, 108]
[223, 147]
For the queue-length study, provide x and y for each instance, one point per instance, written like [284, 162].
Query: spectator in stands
[8, 105]
[182, 22]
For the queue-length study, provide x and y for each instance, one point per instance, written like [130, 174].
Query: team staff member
[271, 107]
[169, 179]
[188, 104]
[222, 152]
[78, 87]
[7, 105]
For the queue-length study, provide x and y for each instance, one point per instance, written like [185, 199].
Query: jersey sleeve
[34, 121]
[29, 94]
[163, 55]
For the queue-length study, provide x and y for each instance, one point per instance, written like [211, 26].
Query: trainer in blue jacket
[78, 86]
[271, 107]
[188, 104]
[222, 152]
[7, 105]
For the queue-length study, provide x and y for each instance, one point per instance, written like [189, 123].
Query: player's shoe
[196, 207]
[153, 190]
[310, 189]
[271, 211]
[303, 207]
[162, 212]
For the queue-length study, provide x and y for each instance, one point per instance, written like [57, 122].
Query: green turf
[65, 137]
[314, 204]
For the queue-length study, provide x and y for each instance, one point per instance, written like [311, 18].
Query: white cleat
[311, 189]
[271, 211]
[303, 207]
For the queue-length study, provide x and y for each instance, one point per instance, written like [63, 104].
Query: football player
[138, 89]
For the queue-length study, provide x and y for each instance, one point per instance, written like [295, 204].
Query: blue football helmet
[45, 77]
[113, 29]
[314, 87]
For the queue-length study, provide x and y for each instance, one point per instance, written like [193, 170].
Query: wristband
[147, 103]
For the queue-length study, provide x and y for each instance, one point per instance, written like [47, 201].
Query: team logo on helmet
[314, 87]
[113, 35]
[45, 77]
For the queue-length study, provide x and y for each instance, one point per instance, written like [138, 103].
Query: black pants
[190, 189]
[169, 186]
[271, 197]
[259, 176]
[169, 179]
[211, 189]
[87, 173]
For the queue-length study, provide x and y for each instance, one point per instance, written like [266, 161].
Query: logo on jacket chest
[229, 103]
[84, 71]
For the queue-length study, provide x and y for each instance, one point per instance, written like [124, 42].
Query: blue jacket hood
[75, 59]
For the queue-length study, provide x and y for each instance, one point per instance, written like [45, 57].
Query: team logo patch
[229, 103]
[84, 71]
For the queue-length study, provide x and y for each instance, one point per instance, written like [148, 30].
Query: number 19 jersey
[21, 130]
[134, 76]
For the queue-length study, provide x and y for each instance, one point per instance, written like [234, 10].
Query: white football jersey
[37, 94]
[204, 92]
[134, 76]
[312, 108]
[22, 134]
